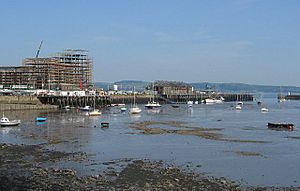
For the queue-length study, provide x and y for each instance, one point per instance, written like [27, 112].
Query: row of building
[67, 70]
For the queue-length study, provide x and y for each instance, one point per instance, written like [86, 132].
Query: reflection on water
[265, 163]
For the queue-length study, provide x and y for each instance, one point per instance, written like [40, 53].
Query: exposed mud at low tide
[24, 167]
[146, 127]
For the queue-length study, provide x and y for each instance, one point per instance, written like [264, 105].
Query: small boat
[152, 105]
[238, 107]
[196, 102]
[190, 103]
[264, 109]
[40, 119]
[104, 124]
[175, 105]
[95, 112]
[85, 108]
[67, 108]
[213, 100]
[135, 110]
[123, 109]
[288, 126]
[5, 122]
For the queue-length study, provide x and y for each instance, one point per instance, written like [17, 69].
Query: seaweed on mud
[247, 153]
[144, 127]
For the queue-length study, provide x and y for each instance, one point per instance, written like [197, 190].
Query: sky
[246, 41]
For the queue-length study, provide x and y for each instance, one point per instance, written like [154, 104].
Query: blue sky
[248, 41]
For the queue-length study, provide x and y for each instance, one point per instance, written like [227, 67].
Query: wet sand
[30, 167]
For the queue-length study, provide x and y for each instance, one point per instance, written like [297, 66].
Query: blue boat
[40, 119]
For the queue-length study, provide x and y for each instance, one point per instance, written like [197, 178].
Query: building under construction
[67, 70]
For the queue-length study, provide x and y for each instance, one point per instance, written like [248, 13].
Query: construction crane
[38, 52]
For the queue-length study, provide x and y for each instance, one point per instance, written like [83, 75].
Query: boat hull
[288, 126]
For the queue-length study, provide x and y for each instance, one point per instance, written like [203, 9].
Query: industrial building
[172, 88]
[67, 70]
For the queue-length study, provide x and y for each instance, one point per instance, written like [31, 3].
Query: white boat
[281, 100]
[213, 100]
[86, 108]
[240, 103]
[95, 112]
[190, 103]
[5, 122]
[134, 108]
[264, 109]
[151, 103]
[238, 107]
[123, 109]
[196, 102]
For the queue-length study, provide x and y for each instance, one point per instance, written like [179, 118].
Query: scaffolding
[67, 70]
[14, 77]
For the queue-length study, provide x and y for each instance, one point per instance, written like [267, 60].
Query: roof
[171, 83]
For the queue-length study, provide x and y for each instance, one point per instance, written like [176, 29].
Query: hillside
[221, 87]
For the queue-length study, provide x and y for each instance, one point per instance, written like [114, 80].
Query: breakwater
[23, 103]
[76, 101]
[53, 102]
[142, 99]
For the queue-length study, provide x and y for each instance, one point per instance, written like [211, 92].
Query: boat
[104, 124]
[40, 119]
[213, 100]
[196, 102]
[152, 104]
[264, 109]
[123, 109]
[6, 122]
[95, 112]
[86, 108]
[288, 126]
[134, 108]
[175, 105]
[238, 107]
[190, 103]
[67, 107]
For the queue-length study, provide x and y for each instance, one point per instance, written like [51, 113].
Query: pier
[76, 101]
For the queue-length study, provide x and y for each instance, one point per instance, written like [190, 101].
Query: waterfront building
[67, 70]
[172, 88]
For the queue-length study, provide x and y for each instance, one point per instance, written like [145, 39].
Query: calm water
[278, 165]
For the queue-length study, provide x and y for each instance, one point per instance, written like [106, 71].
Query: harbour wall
[23, 103]
[53, 102]
[104, 101]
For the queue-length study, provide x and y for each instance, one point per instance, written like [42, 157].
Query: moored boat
[175, 105]
[95, 112]
[264, 109]
[288, 126]
[104, 124]
[6, 122]
[152, 105]
[40, 119]
[213, 100]
[86, 108]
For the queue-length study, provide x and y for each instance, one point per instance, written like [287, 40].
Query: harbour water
[250, 153]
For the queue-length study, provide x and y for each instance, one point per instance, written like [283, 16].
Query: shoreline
[33, 167]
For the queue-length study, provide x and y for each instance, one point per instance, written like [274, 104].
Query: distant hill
[221, 87]
[240, 87]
